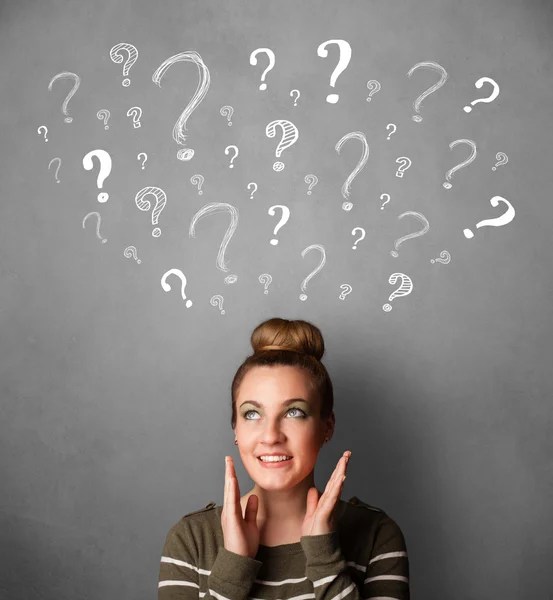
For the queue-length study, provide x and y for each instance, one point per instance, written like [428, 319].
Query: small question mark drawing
[395, 129]
[411, 235]
[45, 131]
[117, 57]
[105, 169]
[217, 300]
[447, 185]
[312, 180]
[227, 111]
[404, 163]
[346, 289]
[283, 219]
[427, 65]
[374, 86]
[197, 180]
[201, 91]
[130, 252]
[104, 115]
[254, 185]
[383, 196]
[315, 271]
[490, 98]
[212, 208]
[66, 75]
[144, 159]
[505, 218]
[167, 288]
[445, 258]
[404, 289]
[353, 232]
[96, 214]
[358, 135]
[502, 158]
[59, 165]
[295, 98]
[161, 200]
[290, 135]
[266, 279]
[136, 113]
[343, 62]
[236, 152]
[253, 62]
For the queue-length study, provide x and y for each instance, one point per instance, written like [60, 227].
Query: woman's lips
[275, 465]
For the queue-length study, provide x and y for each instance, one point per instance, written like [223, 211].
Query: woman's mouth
[274, 464]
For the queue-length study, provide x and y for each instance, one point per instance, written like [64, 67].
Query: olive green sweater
[365, 558]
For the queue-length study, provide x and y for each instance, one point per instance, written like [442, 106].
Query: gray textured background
[115, 397]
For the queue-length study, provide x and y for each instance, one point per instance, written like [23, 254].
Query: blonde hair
[294, 343]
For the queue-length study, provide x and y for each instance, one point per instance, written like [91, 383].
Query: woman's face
[286, 419]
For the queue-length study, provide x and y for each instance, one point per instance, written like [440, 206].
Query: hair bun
[283, 334]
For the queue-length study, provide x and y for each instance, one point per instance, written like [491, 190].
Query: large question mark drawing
[253, 62]
[315, 271]
[404, 289]
[161, 200]
[283, 219]
[201, 91]
[502, 159]
[104, 115]
[45, 131]
[312, 180]
[215, 207]
[66, 75]
[343, 62]
[505, 218]
[197, 180]
[358, 135]
[135, 112]
[217, 301]
[227, 111]
[426, 227]
[490, 98]
[374, 86]
[97, 215]
[266, 279]
[59, 165]
[236, 153]
[167, 288]
[353, 231]
[105, 169]
[117, 57]
[289, 136]
[436, 86]
[449, 174]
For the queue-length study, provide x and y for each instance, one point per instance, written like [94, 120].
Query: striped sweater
[364, 559]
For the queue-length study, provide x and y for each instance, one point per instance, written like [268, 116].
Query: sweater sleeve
[231, 576]
[386, 576]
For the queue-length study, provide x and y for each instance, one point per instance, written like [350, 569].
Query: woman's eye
[301, 416]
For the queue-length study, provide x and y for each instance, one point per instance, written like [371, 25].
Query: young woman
[284, 538]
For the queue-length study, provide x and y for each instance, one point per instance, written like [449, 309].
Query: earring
[236, 442]
[326, 440]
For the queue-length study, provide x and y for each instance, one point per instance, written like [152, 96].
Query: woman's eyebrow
[285, 403]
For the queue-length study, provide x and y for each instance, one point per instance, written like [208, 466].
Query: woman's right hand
[241, 534]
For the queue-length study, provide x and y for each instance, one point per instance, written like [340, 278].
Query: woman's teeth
[274, 458]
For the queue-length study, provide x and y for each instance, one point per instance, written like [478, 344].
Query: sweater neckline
[281, 549]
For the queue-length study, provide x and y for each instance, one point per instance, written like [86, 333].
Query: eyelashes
[302, 416]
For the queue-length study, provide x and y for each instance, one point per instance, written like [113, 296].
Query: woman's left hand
[320, 514]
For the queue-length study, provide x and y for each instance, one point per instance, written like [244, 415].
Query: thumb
[252, 505]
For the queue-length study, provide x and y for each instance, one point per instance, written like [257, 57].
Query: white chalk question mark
[227, 111]
[383, 196]
[167, 288]
[266, 279]
[66, 75]
[490, 98]
[283, 219]
[395, 129]
[358, 135]
[161, 200]
[252, 183]
[404, 289]
[447, 185]
[217, 300]
[296, 98]
[117, 57]
[502, 159]
[289, 136]
[411, 235]
[104, 116]
[253, 61]
[312, 180]
[354, 247]
[505, 218]
[235, 148]
[130, 252]
[346, 289]
[105, 169]
[144, 159]
[59, 165]
[45, 131]
[343, 62]
[374, 86]
[136, 113]
[97, 215]
[404, 163]
[427, 65]
[197, 180]
[316, 270]
[445, 258]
